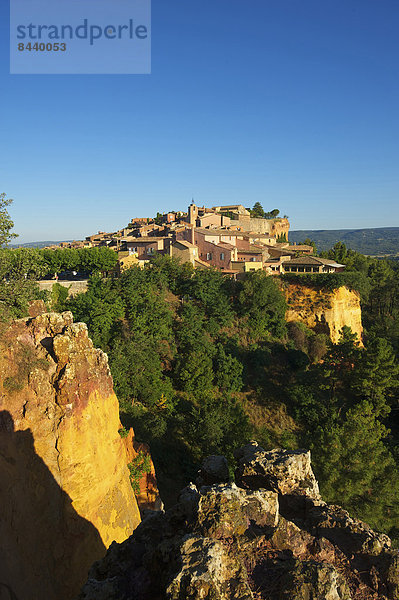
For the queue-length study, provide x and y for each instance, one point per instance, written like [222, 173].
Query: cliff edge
[324, 311]
[64, 484]
[268, 536]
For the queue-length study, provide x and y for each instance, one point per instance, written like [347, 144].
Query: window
[150, 250]
[209, 256]
[222, 256]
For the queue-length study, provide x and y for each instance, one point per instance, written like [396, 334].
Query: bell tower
[192, 213]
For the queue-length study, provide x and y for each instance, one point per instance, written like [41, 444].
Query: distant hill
[375, 242]
[38, 244]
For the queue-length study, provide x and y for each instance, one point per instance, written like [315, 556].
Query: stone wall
[75, 287]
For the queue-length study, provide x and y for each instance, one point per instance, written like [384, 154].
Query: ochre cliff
[64, 485]
[323, 310]
[147, 494]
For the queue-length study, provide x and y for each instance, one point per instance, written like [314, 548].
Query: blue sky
[290, 103]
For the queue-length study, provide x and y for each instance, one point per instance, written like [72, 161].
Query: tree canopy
[6, 224]
[257, 212]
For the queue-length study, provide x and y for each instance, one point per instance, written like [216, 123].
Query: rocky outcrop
[283, 471]
[269, 536]
[64, 484]
[323, 310]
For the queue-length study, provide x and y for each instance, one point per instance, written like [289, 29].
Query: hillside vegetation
[202, 364]
[373, 242]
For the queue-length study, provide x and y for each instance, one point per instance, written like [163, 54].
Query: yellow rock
[325, 311]
[64, 485]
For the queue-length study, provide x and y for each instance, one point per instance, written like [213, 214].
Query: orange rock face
[148, 494]
[325, 311]
[64, 485]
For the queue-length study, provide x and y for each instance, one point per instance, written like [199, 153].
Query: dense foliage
[176, 341]
[21, 268]
[6, 224]
[257, 212]
[202, 364]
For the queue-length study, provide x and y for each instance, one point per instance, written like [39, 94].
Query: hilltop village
[232, 239]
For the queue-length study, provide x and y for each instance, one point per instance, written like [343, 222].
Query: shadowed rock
[214, 469]
[65, 492]
[38, 525]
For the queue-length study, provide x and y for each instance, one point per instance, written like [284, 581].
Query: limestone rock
[335, 523]
[226, 511]
[208, 571]
[222, 542]
[310, 579]
[283, 471]
[64, 484]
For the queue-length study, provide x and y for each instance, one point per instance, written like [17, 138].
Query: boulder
[283, 471]
[226, 511]
[349, 534]
[310, 579]
[214, 469]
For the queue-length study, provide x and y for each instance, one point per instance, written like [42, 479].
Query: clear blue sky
[292, 103]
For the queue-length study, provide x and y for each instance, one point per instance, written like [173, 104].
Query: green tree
[217, 426]
[210, 290]
[376, 375]
[309, 242]
[59, 296]
[170, 272]
[355, 468]
[228, 371]
[257, 211]
[262, 305]
[146, 311]
[158, 219]
[101, 308]
[6, 224]
[138, 374]
[194, 371]
[19, 270]
[273, 214]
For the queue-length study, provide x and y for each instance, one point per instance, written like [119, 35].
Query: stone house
[311, 264]
[145, 247]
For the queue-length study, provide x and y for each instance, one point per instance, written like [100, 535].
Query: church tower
[192, 213]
